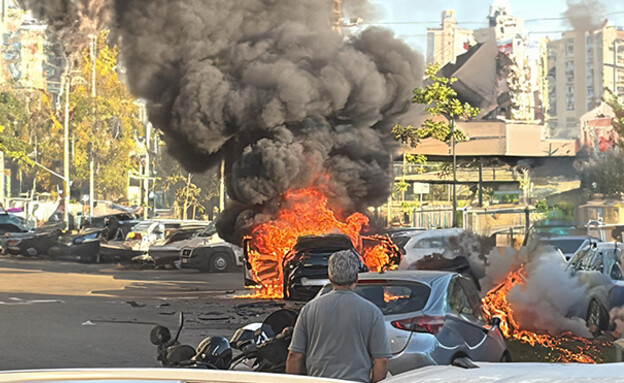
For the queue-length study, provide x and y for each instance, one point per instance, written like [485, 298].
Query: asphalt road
[61, 314]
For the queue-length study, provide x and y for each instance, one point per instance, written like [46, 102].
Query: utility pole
[454, 218]
[148, 129]
[66, 154]
[336, 16]
[2, 188]
[222, 186]
[93, 40]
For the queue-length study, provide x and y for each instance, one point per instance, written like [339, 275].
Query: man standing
[340, 335]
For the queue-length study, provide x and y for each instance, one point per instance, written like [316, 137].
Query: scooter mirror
[160, 335]
[181, 325]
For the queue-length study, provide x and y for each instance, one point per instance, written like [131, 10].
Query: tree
[603, 174]
[440, 100]
[444, 108]
[618, 121]
[106, 128]
[187, 194]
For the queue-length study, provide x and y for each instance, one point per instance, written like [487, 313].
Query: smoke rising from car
[272, 89]
[550, 298]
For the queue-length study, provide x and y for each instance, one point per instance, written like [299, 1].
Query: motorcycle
[262, 346]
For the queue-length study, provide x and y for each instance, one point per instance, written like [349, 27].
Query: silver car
[432, 318]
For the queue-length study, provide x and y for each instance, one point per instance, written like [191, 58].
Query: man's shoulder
[352, 298]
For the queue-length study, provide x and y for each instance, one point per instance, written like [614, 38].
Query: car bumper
[418, 353]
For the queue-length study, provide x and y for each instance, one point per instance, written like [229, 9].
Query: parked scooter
[263, 346]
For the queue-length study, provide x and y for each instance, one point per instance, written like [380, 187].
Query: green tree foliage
[603, 174]
[618, 122]
[443, 107]
[187, 195]
[106, 128]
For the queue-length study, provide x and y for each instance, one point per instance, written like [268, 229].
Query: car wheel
[506, 358]
[596, 318]
[220, 262]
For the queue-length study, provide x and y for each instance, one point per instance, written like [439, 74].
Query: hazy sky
[472, 14]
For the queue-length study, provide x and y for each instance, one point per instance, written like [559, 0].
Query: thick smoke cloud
[269, 86]
[72, 21]
[585, 15]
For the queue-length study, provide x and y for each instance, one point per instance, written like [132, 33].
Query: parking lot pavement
[62, 314]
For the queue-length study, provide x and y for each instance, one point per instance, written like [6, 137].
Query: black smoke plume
[272, 88]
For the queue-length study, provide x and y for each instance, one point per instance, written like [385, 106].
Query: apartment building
[582, 65]
[446, 43]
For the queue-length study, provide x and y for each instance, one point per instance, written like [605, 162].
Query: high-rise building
[583, 64]
[446, 43]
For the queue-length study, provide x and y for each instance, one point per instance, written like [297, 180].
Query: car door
[467, 333]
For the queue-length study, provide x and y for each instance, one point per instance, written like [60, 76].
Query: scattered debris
[135, 304]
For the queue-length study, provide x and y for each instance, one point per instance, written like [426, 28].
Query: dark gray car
[432, 318]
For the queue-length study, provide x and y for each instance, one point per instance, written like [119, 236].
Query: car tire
[506, 358]
[597, 318]
[220, 262]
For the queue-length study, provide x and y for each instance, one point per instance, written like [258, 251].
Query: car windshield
[567, 246]
[392, 297]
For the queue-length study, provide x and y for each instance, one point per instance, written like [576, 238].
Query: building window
[570, 47]
[569, 101]
[569, 68]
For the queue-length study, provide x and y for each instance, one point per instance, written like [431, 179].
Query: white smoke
[549, 299]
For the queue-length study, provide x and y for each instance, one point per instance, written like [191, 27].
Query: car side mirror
[495, 322]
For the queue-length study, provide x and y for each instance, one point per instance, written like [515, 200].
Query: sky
[471, 14]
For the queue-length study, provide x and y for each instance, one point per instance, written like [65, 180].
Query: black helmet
[216, 351]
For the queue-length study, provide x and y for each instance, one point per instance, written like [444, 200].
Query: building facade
[583, 64]
[446, 43]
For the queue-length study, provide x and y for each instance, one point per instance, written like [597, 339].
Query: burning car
[305, 266]
[432, 318]
[599, 267]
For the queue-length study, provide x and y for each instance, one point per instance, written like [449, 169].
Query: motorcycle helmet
[215, 351]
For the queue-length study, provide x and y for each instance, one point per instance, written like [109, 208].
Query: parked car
[83, 247]
[168, 253]
[568, 246]
[423, 243]
[9, 223]
[209, 253]
[305, 266]
[32, 242]
[141, 237]
[432, 318]
[599, 267]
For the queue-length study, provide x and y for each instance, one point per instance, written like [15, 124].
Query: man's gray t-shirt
[340, 334]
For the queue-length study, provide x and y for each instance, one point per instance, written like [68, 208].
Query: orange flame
[305, 212]
[495, 305]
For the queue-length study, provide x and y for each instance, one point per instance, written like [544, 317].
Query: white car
[423, 243]
[568, 246]
[516, 373]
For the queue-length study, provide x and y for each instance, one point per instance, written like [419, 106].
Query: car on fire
[305, 266]
[432, 318]
[599, 267]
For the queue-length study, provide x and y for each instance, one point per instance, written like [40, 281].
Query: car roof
[432, 233]
[567, 237]
[424, 276]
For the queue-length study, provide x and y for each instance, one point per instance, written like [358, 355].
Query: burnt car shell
[305, 267]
